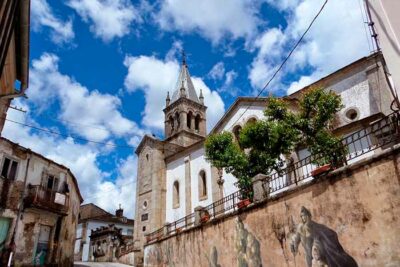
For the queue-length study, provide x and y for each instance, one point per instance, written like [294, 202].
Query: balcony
[41, 198]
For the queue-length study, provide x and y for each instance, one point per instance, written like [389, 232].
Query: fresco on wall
[321, 244]
[247, 247]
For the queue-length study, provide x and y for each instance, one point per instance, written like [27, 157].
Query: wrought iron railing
[379, 134]
[40, 197]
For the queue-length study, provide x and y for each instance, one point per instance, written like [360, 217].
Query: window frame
[12, 160]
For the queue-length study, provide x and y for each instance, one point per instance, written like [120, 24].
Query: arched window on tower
[178, 120]
[197, 120]
[202, 185]
[171, 123]
[189, 120]
[176, 195]
[251, 120]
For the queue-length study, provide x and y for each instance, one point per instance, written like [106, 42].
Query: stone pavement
[99, 264]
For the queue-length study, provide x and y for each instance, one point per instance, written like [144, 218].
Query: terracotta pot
[178, 230]
[321, 170]
[205, 218]
[243, 203]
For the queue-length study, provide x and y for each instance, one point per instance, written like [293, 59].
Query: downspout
[20, 209]
[378, 48]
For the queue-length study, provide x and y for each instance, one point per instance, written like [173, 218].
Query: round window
[351, 114]
[145, 204]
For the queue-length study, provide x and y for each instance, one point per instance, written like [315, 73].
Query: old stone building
[173, 175]
[14, 52]
[39, 208]
[92, 217]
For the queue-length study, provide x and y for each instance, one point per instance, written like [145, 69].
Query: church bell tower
[185, 112]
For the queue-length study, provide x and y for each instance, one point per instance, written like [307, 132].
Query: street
[99, 264]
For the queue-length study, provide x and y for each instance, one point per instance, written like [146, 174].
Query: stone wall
[354, 221]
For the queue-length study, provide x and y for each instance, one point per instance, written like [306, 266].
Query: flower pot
[178, 230]
[321, 170]
[243, 203]
[205, 218]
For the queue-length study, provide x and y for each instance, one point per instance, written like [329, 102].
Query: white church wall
[175, 172]
[197, 164]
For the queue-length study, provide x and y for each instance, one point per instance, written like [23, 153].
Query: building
[14, 52]
[39, 208]
[385, 24]
[92, 220]
[173, 175]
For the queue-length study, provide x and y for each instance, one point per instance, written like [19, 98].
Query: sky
[100, 71]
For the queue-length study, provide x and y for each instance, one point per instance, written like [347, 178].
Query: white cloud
[336, 39]
[155, 77]
[78, 103]
[212, 19]
[108, 18]
[43, 16]
[217, 71]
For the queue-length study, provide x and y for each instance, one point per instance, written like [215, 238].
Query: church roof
[185, 81]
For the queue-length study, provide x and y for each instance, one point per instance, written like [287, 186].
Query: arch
[178, 120]
[171, 123]
[202, 185]
[197, 120]
[189, 119]
[175, 200]
[236, 132]
[251, 120]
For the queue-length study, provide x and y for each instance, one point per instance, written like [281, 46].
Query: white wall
[197, 164]
[175, 172]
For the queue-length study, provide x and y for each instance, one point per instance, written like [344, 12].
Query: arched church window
[202, 185]
[251, 120]
[189, 120]
[197, 123]
[236, 132]
[176, 194]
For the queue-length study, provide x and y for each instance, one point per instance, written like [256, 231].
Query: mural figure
[320, 243]
[247, 247]
[213, 260]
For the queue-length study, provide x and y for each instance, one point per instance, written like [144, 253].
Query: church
[174, 176]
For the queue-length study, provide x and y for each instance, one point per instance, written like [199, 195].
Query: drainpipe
[20, 209]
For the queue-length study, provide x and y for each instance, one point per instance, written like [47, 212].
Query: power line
[69, 136]
[283, 62]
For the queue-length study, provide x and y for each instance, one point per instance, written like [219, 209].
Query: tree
[262, 144]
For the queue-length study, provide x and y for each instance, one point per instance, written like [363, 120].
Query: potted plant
[205, 217]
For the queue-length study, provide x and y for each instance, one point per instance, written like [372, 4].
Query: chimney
[119, 212]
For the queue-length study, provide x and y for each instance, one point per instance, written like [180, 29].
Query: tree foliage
[262, 144]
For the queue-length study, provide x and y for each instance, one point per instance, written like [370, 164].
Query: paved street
[99, 264]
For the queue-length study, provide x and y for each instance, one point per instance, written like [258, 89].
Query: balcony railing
[360, 144]
[42, 198]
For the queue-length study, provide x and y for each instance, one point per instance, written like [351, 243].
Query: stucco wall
[360, 207]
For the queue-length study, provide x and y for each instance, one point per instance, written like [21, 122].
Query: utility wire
[70, 136]
[283, 62]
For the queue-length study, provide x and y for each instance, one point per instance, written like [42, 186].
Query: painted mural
[321, 244]
[328, 224]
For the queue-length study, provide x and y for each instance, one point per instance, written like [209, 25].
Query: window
[145, 204]
[202, 185]
[236, 132]
[351, 114]
[189, 120]
[49, 181]
[176, 194]
[251, 120]
[9, 170]
[145, 217]
[144, 228]
[178, 121]
[130, 232]
[197, 123]
[171, 123]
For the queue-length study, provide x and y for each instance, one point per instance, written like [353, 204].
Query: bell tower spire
[185, 112]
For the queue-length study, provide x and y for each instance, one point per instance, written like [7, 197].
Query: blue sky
[100, 70]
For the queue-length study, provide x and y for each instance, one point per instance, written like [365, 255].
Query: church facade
[174, 176]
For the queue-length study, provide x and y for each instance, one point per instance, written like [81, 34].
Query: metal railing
[379, 134]
[40, 197]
